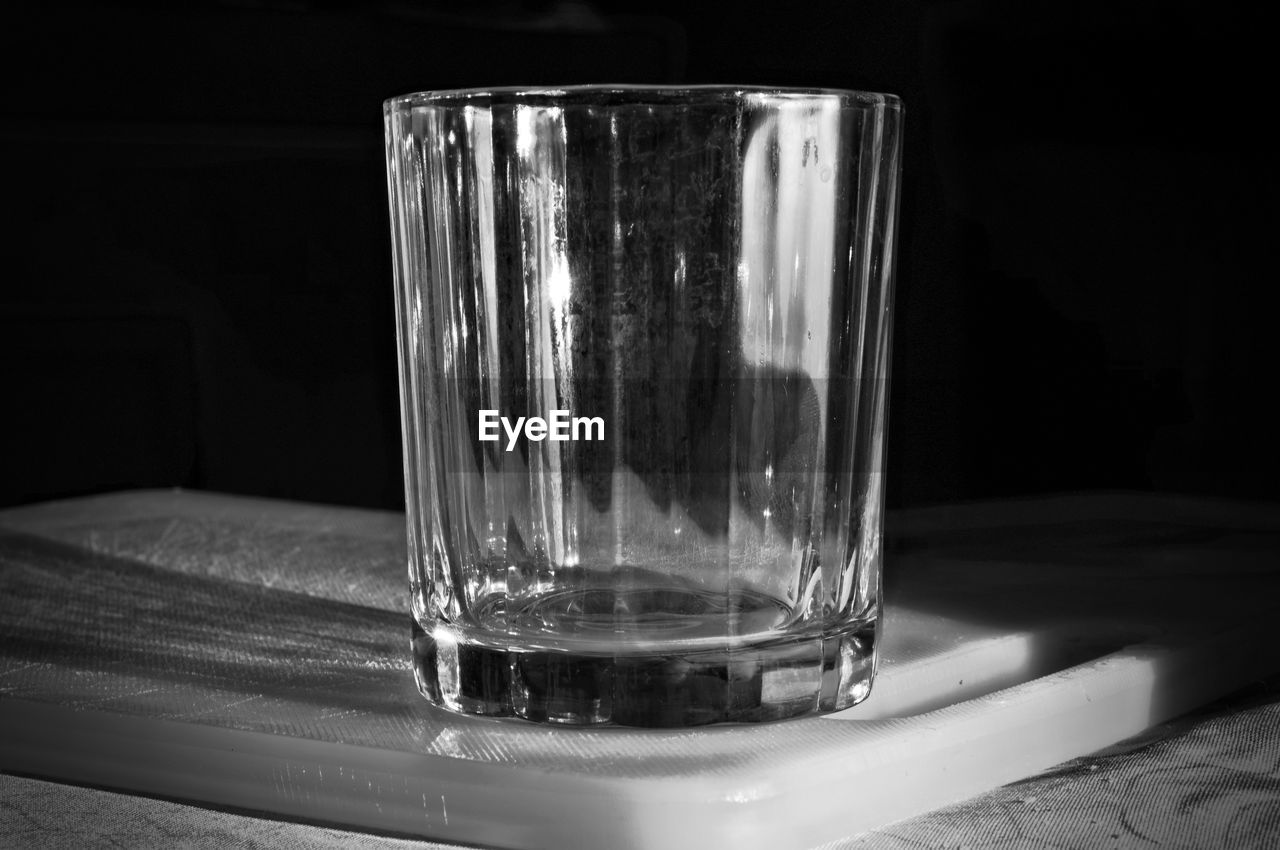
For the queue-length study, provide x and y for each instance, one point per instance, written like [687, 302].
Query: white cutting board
[1017, 636]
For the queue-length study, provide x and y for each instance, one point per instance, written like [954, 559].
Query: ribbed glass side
[694, 289]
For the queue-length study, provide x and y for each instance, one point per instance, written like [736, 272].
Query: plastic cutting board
[253, 654]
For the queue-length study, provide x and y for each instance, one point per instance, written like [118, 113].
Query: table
[1211, 778]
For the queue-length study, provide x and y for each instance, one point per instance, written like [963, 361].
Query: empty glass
[644, 351]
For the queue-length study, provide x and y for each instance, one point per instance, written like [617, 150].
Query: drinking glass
[644, 351]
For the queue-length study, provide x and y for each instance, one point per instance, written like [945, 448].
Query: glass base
[772, 680]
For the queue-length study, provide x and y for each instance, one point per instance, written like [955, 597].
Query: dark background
[196, 287]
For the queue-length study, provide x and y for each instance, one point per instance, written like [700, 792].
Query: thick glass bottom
[771, 680]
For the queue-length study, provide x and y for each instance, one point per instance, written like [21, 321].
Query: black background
[197, 286]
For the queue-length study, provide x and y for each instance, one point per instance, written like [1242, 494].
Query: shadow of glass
[141, 632]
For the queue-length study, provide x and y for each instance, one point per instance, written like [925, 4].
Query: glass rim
[624, 94]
